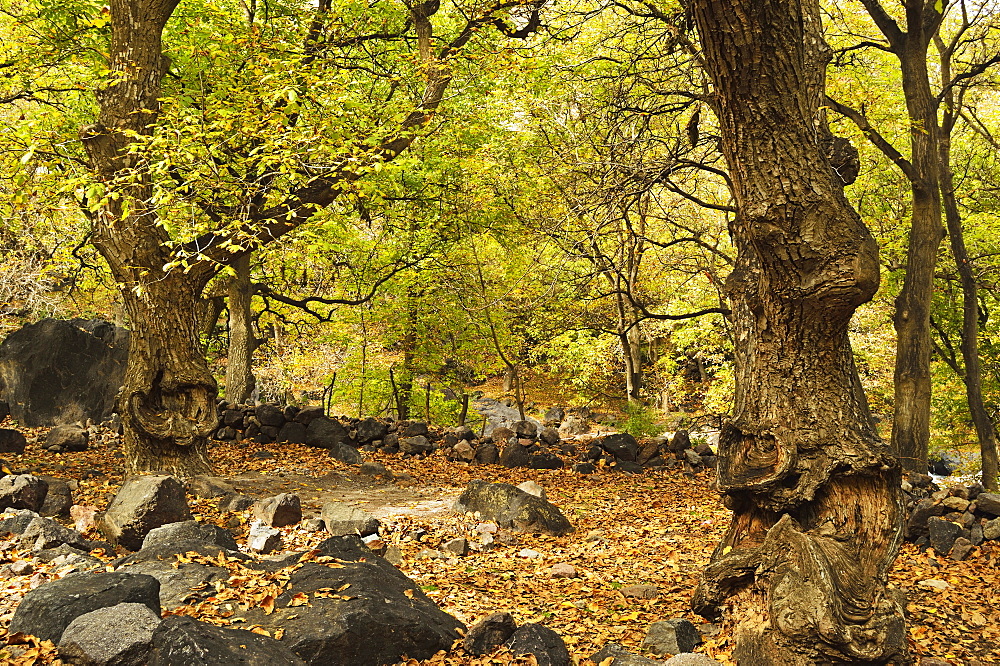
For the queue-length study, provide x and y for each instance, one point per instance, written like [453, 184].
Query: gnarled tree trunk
[815, 494]
[168, 400]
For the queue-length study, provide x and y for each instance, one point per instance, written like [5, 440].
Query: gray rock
[463, 432]
[22, 492]
[671, 637]
[347, 454]
[464, 451]
[56, 372]
[415, 444]
[546, 645]
[190, 530]
[144, 503]
[45, 533]
[67, 438]
[943, 534]
[991, 530]
[549, 436]
[989, 503]
[235, 503]
[12, 441]
[459, 546]
[47, 610]
[263, 539]
[532, 488]
[621, 657]
[512, 507]
[413, 429]
[343, 519]
[184, 641]
[641, 591]
[279, 511]
[181, 583]
[385, 616]
[489, 633]
[691, 659]
[58, 498]
[119, 635]
[525, 429]
[924, 509]
[961, 549]
[312, 525]
[15, 521]
[207, 486]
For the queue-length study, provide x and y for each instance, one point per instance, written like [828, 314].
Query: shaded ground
[658, 528]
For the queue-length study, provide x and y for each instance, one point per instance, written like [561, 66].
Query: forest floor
[657, 528]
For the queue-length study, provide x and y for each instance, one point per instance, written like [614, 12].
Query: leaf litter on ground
[654, 529]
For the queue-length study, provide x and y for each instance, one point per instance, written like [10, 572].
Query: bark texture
[240, 381]
[168, 399]
[817, 512]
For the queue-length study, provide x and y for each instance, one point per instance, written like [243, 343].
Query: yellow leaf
[267, 603]
[408, 593]
[279, 633]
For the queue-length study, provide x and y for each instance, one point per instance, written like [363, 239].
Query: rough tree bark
[912, 375]
[168, 401]
[817, 511]
[239, 362]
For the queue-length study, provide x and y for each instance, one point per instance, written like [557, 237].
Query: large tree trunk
[239, 361]
[168, 400]
[815, 494]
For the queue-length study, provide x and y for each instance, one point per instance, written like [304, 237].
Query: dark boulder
[525, 429]
[486, 454]
[511, 507]
[58, 498]
[57, 372]
[45, 533]
[293, 433]
[371, 430]
[489, 633]
[46, 611]
[12, 441]
[671, 637]
[413, 429]
[680, 442]
[621, 445]
[943, 534]
[384, 615]
[279, 511]
[515, 455]
[326, 433]
[943, 464]
[270, 415]
[546, 645]
[184, 641]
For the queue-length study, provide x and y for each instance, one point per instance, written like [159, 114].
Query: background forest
[555, 227]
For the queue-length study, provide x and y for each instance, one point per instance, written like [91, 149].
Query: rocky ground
[633, 560]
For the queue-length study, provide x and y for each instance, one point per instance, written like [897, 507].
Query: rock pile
[952, 521]
[183, 562]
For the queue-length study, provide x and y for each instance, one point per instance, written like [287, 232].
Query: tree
[168, 400]
[815, 494]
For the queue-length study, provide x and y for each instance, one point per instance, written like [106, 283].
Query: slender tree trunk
[239, 364]
[912, 375]
[971, 372]
[168, 399]
[802, 570]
